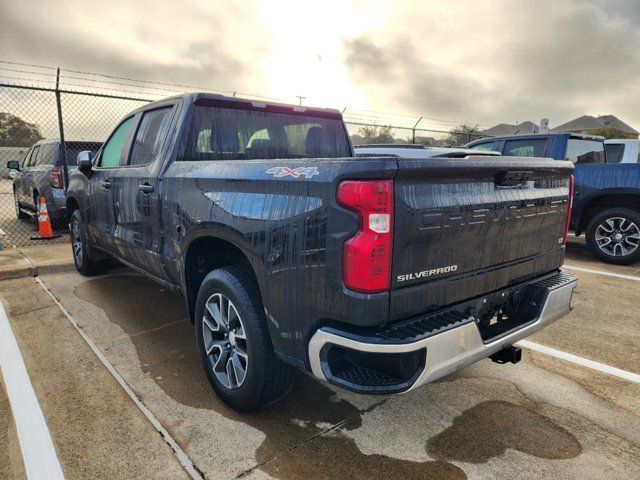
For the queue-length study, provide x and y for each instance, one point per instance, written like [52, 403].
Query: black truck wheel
[613, 236]
[234, 343]
[82, 257]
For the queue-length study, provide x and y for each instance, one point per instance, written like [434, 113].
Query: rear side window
[48, 153]
[224, 133]
[532, 147]
[615, 151]
[484, 147]
[150, 136]
[112, 151]
[581, 151]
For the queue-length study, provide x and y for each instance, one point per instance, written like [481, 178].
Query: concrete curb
[35, 260]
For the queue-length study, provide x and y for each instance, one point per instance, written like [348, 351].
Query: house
[587, 123]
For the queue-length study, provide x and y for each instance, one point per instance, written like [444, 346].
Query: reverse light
[366, 265]
[569, 209]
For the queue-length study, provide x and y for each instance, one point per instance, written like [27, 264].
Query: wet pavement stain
[490, 428]
[167, 352]
[336, 457]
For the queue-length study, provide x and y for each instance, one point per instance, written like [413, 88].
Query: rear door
[466, 227]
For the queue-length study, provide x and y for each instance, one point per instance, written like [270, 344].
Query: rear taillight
[366, 260]
[569, 208]
[56, 177]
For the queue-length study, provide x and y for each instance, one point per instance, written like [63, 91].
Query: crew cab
[606, 202]
[375, 274]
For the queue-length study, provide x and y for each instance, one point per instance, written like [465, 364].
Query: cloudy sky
[464, 61]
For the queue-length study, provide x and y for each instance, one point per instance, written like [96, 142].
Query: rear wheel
[234, 343]
[85, 264]
[613, 236]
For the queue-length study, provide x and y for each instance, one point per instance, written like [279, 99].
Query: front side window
[27, 157]
[112, 151]
[585, 151]
[150, 136]
[35, 153]
[218, 133]
[533, 147]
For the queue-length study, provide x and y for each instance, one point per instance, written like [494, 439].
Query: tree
[15, 132]
[376, 134]
[462, 134]
[609, 132]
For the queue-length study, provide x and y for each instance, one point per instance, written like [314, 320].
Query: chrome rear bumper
[446, 352]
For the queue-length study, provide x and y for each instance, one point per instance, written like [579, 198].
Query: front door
[101, 217]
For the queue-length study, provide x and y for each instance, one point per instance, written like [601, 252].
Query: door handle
[145, 188]
[106, 184]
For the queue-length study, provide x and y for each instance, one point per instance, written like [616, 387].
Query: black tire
[613, 236]
[236, 350]
[20, 215]
[82, 255]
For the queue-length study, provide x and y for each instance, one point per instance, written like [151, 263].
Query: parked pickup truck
[606, 203]
[375, 274]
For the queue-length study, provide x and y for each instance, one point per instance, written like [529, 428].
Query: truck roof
[222, 101]
[582, 136]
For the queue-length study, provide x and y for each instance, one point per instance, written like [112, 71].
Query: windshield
[228, 134]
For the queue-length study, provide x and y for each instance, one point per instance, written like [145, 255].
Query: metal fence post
[63, 147]
[414, 130]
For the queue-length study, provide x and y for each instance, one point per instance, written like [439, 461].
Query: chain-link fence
[45, 111]
[34, 123]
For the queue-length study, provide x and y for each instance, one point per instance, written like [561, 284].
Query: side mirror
[85, 161]
[13, 165]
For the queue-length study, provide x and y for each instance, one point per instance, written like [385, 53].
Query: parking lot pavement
[542, 418]
[96, 429]
[578, 255]
[10, 458]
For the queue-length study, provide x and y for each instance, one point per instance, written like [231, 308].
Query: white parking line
[38, 454]
[585, 362]
[600, 272]
[182, 457]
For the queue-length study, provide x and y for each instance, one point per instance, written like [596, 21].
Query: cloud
[205, 44]
[503, 62]
[468, 61]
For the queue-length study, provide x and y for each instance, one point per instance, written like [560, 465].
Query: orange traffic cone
[45, 232]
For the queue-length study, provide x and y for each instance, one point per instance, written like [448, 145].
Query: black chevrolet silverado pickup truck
[374, 274]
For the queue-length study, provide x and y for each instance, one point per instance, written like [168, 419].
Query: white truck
[622, 150]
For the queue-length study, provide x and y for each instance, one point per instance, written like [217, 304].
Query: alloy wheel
[76, 242]
[225, 341]
[617, 236]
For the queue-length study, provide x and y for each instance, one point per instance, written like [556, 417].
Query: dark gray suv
[41, 175]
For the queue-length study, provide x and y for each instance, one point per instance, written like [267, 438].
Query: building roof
[588, 122]
[503, 129]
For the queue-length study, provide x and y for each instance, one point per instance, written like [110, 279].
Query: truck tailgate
[466, 227]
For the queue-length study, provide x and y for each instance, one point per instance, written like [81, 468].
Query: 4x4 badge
[306, 172]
